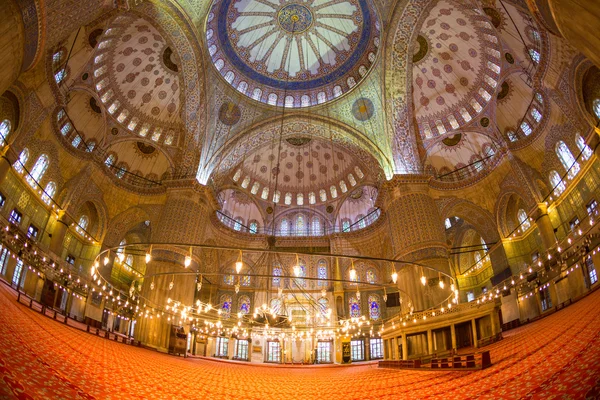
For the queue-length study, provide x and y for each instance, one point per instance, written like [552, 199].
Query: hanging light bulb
[198, 285]
[352, 272]
[441, 281]
[357, 295]
[106, 260]
[149, 255]
[152, 285]
[188, 259]
[394, 277]
[239, 264]
[237, 288]
[323, 292]
[423, 280]
[171, 285]
[121, 257]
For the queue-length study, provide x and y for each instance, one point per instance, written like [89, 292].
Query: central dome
[293, 53]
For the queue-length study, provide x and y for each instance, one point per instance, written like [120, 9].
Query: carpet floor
[557, 357]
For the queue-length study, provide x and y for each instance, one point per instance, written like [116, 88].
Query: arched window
[523, 220]
[284, 227]
[226, 306]
[20, 163]
[276, 275]
[323, 306]
[448, 223]
[60, 76]
[275, 306]
[535, 55]
[359, 172]
[354, 307]
[360, 220]
[255, 187]
[237, 175]
[49, 192]
[322, 195]
[312, 199]
[345, 226]
[316, 226]
[566, 158]
[333, 191]
[300, 281]
[265, 193]
[596, 107]
[82, 225]
[300, 199]
[244, 305]
[374, 310]
[586, 152]
[246, 280]
[65, 129]
[38, 170]
[526, 128]
[512, 136]
[288, 199]
[4, 131]
[246, 182]
[228, 279]
[300, 225]
[238, 223]
[253, 227]
[322, 272]
[370, 275]
[557, 183]
[110, 160]
[536, 114]
[343, 186]
[351, 179]
[276, 196]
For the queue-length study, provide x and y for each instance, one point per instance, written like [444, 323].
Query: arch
[482, 220]
[124, 222]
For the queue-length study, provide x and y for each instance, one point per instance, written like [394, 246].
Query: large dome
[293, 53]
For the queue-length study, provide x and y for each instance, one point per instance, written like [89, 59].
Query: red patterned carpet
[557, 357]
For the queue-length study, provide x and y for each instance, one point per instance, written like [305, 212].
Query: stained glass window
[523, 220]
[374, 311]
[253, 227]
[323, 195]
[586, 152]
[526, 128]
[596, 107]
[244, 304]
[38, 170]
[512, 136]
[316, 226]
[354, 307]
[276, 275]
[228, 279]
[302, 274]
[345, 226]
[246, 280]
[4, 131]
[82, 225]
[49, 192]
[275, 306]
[370, 276]
[225, 306]
[284, 228]
[288, 199]
[557, 183]
[20, 163]
[333, 191]
[535, 55]
[322, 272]
[323, 305]
[238, 223]
[312, 199]
[300, 225]
[536, 114]
[567, 159]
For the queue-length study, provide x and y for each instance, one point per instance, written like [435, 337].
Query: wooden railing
[465, 361]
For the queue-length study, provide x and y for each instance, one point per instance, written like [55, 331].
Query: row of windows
[67, 129]
[526, 127]
[568, 162]
[374, 307]
[288, 197]
[36, 174]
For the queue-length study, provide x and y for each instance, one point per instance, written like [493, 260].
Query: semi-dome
[297, 54]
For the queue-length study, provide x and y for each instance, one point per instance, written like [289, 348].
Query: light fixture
[188, 259]
[121, 256]
[352, 272]
[296, 267]
[423, 279]
[149, 255]
[239, 264]
[106, 259]
[441, 281]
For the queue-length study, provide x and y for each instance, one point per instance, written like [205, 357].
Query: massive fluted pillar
[418, 236]
[545, 228]
[183, 220]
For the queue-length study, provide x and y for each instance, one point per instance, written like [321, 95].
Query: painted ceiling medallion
[296, 54]
[229, 113]
[363, 109]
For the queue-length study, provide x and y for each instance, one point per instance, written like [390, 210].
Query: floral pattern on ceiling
[131, 79]
[293, 54]
[457, 69]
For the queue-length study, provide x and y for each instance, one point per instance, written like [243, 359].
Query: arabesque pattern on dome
[293, 54]
[456, 68]
[134, 78]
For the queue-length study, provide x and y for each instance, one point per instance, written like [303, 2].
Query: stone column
[12, 43]
[404, 347]
[545, 228]
[453, 334]
[418, 236]
[183, 220]
[474, 327]
[429, 342]
[58, 234]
